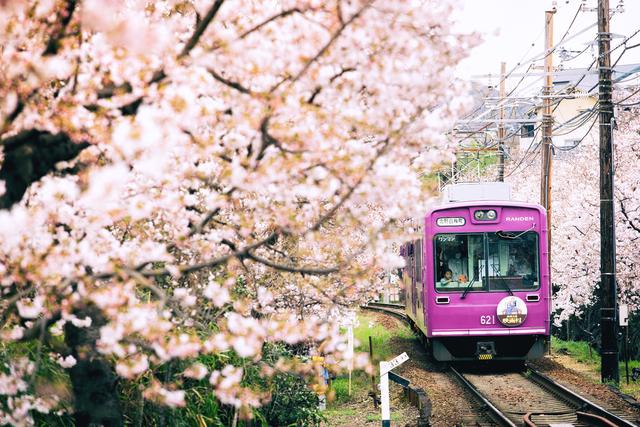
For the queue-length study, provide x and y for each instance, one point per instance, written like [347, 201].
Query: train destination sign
[450, 221]
[512, 311]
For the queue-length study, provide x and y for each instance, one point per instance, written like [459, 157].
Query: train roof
[472, 203]
[476, 191]
[470, 194]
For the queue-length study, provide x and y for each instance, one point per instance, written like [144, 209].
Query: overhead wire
[580, 140]
[531, 62]
[575, 85]
[544, 54]
[573, 123]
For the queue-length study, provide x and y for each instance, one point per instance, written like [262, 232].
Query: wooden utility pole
[501, 132]
[608, 324]
[547, 126]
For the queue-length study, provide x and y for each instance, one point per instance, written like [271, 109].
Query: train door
[414, 294]
[418, 279]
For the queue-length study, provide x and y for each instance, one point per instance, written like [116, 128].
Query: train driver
[520, 264]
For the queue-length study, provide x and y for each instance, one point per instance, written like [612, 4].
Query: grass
[380, 337]
[338, 413]
[382, 350]
[579, 350]
[340, 387]
[378, 417]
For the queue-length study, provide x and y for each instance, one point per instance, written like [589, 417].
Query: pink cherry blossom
[214, 188]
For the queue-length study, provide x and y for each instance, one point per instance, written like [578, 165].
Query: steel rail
[391, 311]
[598, 415]
[576, 399]
[494, 412]
[386, 304]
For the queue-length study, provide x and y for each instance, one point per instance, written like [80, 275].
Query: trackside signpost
[385, 370]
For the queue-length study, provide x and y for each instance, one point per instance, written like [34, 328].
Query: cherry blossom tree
[182, 178]
[575, 251]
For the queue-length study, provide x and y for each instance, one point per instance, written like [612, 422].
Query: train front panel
[486, 281]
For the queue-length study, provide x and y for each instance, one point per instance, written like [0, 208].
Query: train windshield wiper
[506, 235]
[468, 288]
[504, 282]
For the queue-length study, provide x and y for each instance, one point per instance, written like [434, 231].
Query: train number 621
[488, 320]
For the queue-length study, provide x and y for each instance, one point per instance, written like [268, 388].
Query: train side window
[418, 258]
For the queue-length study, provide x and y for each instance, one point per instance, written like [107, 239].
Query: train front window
[486, 262]
[458, 261]
[513, 261]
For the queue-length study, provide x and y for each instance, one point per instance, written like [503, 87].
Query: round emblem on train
[512, 311]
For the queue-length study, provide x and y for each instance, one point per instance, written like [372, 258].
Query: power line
[581, 139]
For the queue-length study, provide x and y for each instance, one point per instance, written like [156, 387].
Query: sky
[513, 32]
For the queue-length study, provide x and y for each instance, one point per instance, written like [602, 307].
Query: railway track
[396, 310]
[532, 399]
[525, 398]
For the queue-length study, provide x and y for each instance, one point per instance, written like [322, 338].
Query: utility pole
[608, 332]
[501, 132]
[547, 126]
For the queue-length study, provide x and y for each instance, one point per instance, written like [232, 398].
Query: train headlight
[488, 215]
[479, 215]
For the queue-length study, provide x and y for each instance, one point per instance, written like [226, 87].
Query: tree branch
[326, 47]
[158, 272]
[54, 42]
[208, 217]
[282, 14]
[319, 88]
[200, 29]
[267, 140]
[292, 268]
[231, 84]
[35, 330]
[626, 216]
[339, 12]
[28, 156]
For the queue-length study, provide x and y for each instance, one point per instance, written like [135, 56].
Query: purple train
[477, 282]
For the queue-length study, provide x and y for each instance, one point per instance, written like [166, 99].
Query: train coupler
[485, 350]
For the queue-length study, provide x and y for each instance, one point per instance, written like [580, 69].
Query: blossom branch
[326, 47]
[292, 268]
[235, 85]
[198, 266]
[339, 11]
[282, 14]
[627, 218]
[200, 227]
[34, 331]
[54, 42]
[267, 140]
[200, 29]
[319, 88]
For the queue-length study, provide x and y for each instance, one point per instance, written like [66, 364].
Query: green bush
[292, 403]
[340, 387]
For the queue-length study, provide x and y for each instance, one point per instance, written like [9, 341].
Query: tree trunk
[93, 379]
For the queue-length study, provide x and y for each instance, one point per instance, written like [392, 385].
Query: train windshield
[486, 262]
